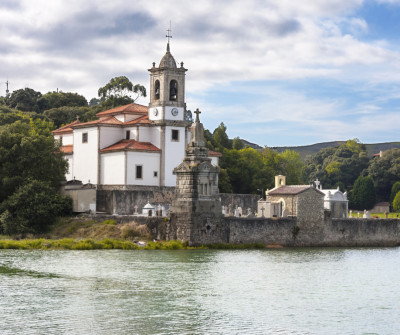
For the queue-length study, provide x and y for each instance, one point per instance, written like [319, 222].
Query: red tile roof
[101, 121]
[141, 120]
[291, 190]
[127, 109]
[214, 153]
[131, 145]
[67, 149]
[65, 129]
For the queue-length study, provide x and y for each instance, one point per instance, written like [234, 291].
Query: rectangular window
[128, 135]
[139, 172]
[155, 174]
[84, 137]
[175, 135]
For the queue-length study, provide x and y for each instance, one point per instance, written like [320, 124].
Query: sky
[276, 73]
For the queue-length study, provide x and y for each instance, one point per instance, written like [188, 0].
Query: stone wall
[349, 232]
[354, 232]
[119, 200]
[310, 208]
[123, 202]
[332, 233]
[245, 201]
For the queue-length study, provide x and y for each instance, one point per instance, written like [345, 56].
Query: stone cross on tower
[169, 32]
[197, 112]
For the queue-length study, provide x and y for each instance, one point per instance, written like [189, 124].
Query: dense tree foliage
[64, 115]
[60, 99]
[118, 91]
[24, 99]
[28, 152]
[338, 166]
[363, 195]
[32, 208]
[385, 171]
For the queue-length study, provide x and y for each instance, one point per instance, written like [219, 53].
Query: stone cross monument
[196, 212]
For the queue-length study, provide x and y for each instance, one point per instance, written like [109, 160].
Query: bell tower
[167, 89]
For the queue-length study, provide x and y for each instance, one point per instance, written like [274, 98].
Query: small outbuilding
[303, 201]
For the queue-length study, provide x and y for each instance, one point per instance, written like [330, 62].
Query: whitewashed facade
[133, 144]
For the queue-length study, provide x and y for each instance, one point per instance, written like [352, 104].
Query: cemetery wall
[119, 200]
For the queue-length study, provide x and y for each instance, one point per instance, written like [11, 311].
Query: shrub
[33, 208]
[395, 190]
[133, 230]
[396, 202]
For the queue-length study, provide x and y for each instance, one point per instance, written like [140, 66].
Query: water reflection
[285, 291]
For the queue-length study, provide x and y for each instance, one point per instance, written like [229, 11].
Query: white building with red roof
[133, 144]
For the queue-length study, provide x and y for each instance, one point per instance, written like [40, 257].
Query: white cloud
[78, 46]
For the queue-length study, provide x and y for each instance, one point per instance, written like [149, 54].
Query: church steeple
[167, 88]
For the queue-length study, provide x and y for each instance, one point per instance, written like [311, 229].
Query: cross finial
[197, 112]
[169, 31]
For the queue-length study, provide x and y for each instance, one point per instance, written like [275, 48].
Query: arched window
[173, 90]
[157, 89]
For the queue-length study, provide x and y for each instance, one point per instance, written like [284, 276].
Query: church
[134, 144]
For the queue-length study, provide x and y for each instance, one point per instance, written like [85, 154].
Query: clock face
[174, 111]
[155, 112]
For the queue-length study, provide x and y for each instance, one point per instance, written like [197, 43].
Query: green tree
[237, 143]
[221, 140]
[395, 190]
[64, 115]
[224, 184]
[339, 166]
[118, 92]
[60, 99]
[25, 99]
[32, 208]
[291, 166]
[28, 151]
[363, 195]
[396, 202]
[385, 171]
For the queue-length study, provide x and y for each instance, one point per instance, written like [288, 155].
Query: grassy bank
[87, 244]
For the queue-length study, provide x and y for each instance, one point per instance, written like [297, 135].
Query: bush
[396, 202]
[395, 190]
[133, 230]
[33, 208]
[363, 195]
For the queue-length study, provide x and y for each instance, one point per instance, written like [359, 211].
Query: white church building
[134, 144]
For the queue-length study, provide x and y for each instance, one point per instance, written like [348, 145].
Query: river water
[282, 291]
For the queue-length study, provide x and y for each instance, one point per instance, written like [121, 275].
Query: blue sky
[275, 72]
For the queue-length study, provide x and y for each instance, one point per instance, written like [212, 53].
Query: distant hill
[306, 151]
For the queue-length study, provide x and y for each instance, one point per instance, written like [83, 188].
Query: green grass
[108, 243]
[378, 215]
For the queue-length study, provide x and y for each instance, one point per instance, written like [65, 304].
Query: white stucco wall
[112, 168]
[150, 163]
[145, 134]
[214, 160]
[85, 162]
[67, 139]
[156, 136]
[169, 116]
[110, 135]
[120, 117]
[133, 132]
[174, 153]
